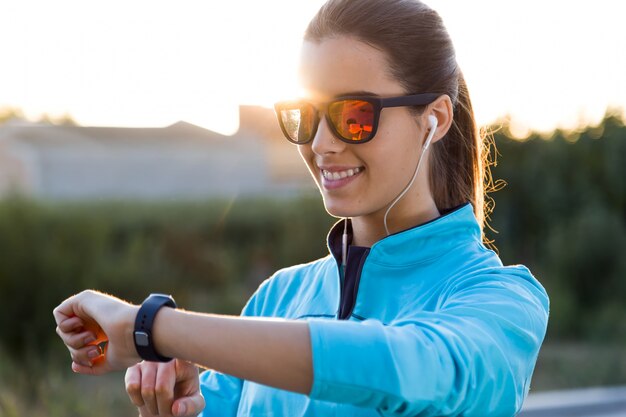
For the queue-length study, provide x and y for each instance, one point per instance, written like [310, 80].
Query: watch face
[142, 339]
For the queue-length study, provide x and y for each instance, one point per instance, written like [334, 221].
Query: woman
[409, 315]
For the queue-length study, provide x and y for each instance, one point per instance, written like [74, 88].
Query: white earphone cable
[433, 127]
[344, 244]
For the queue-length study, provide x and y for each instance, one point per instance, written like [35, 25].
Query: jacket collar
[420, 243]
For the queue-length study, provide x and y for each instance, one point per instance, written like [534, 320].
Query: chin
[339, 210]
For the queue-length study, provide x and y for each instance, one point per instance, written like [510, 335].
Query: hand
[89, 320]
[165, 389]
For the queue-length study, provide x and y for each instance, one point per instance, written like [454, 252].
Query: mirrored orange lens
[298, 121]
[352, 119]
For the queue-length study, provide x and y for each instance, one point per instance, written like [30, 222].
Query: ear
[442, 109]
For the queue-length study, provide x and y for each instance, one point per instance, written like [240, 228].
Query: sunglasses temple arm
[412, 100]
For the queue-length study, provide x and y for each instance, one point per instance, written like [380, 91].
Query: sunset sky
[151, 63]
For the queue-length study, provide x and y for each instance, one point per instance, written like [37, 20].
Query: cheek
[307, 155]
[305, 152]
[393, 162]
[397, 148]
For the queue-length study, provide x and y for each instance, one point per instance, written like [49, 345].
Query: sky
[544, 63]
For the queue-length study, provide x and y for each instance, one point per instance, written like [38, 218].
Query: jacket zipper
[345, 316]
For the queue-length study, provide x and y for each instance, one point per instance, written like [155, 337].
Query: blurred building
[178, 161]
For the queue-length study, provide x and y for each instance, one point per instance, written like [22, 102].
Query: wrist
[129, 338]
[145, 324]
[162, 332]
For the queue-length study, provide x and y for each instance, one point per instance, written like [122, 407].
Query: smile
[339, 175]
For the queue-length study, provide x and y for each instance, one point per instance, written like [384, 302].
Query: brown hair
[422, 58]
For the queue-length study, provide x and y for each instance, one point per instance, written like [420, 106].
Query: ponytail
[460, 162]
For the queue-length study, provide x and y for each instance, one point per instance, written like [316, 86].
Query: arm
[272, 352]
[269, 351]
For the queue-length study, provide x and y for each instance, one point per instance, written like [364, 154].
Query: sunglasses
[352, 119]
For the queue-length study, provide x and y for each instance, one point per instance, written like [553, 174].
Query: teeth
[341, 174]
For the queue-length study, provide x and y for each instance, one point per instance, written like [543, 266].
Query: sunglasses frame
[377, 103]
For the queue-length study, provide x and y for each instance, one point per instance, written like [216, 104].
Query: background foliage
[563, 214]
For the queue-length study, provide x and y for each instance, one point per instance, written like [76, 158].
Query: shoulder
[507, 290]
[289, 284]
[474, 272]
[476, 265]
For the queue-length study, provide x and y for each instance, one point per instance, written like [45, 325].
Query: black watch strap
[142, 334]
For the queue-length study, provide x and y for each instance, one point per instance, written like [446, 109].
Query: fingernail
[182, 409]
[89, 339]
[93, 353]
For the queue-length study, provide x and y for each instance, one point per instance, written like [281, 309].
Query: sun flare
[199, 60]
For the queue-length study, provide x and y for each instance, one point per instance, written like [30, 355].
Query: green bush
[210, 255]
[563, 214]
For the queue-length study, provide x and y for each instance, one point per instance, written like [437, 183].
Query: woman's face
[377, 171]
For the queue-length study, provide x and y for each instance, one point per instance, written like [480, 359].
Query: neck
[369, 229]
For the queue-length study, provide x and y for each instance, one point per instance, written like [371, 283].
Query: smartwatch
[142, 334]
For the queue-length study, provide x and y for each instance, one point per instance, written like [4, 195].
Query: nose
[325, 141]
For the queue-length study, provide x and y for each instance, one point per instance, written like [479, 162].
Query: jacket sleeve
[473, 356]
[221, 394]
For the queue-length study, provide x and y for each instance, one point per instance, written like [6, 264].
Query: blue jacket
[426, 322]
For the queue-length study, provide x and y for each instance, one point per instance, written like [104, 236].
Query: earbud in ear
[432, 122]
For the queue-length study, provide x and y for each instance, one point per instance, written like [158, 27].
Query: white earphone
[432, 120]
[432, 124]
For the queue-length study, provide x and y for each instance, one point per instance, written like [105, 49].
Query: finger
[86, 355]
[85, 364]
[64, 311]
[185, 371]
[188, 406]
[144, 412]
[77, 340]
[164, 386]
[87, 370]
[132, 379]
[73, 306]
[148, 381]
[70, 325]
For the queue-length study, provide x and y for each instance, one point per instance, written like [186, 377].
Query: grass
[42, 388]
[566, 365]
